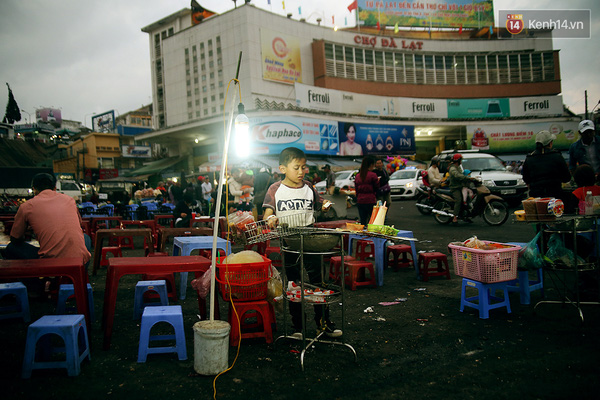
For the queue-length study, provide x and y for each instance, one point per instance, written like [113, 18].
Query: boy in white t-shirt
[292, 196]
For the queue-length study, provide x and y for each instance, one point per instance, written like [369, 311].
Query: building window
[190, 115]
[163, 34]
[171, 32]
[213, 110]
[204, 89]
[197, 102]
[213, 98]
[205, 100]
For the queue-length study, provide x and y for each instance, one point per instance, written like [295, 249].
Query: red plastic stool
[364, 249]
[115, 251]
[126, 241]
[264, 314]
[356, 270]
[273, 250]
[400, 250]
[335, 264]
[426, 270]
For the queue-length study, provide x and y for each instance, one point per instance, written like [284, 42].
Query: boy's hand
[272, 221]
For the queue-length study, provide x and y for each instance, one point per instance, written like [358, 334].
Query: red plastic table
[119, 266]
[70, 267]
[334, 224]
[102, 234]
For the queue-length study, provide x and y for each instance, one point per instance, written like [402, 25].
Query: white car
[343, 180]
[404, 183]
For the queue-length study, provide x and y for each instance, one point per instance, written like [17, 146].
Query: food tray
[487, 266]
[326, 293]
[244, 282]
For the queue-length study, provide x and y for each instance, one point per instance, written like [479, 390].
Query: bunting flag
[460, 29]
[199, 13]
[269, 2]
[396, 29]
[353, 6]
[300, 10]
[491, 29]
[345, 21]
[378, 26]
[283, 4]
[333, 19]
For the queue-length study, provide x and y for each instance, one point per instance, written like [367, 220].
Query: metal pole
[219, 196]
[586, 106]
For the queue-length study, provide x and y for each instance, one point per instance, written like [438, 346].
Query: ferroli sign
[317, 98]
[540, 105]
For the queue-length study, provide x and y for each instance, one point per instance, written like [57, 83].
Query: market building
[410, 92]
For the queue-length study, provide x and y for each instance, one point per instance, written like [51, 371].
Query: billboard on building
[281, 59]
[376, 139]
[518, 138]
[536, 106]
[478, 108]
[48, 115]
[425, 13]
[104, 122]
[136, 151]
[270, 135]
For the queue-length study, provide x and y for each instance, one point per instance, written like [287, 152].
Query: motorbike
[493, 209]
[426, 199]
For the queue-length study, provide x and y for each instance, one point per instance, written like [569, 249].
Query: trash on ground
[369, 310]
[421, 289]
[380, 319]
[400, 299]
[389, 303]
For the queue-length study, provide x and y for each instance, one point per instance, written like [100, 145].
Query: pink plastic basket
[487, 266]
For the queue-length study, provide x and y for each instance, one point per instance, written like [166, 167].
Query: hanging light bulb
[242, 134]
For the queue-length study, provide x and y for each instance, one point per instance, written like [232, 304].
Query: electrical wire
[237, 82]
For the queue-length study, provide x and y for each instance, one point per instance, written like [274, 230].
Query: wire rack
[286, 225]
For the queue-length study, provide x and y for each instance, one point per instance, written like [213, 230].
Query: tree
[13, 113]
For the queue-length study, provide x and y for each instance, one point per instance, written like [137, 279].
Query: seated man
[55, 221]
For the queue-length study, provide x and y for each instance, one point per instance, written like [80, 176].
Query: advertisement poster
[362, 139]
[136, 151]
[478, 108]
[48, 115]
[104, 122]
[519, 138]
[539, 105]
[270, 135]
[438, 13]
[280, 57]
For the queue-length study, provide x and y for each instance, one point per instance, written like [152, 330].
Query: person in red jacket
[366, 184]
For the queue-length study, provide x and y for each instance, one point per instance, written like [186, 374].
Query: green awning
[155, 167]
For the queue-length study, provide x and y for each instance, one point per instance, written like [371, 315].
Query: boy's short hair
[290, 154]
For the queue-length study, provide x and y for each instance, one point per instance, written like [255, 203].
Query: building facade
[411, 92]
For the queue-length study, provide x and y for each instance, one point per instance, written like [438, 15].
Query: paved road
[433, 236]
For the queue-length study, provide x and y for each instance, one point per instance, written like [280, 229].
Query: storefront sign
[317, 98]
[518, 138]
[536, 106]
[281, 60]
[362, 139]
[478, 108]
[388, 43]
[109, 173]
[271, 135]
[136, 151]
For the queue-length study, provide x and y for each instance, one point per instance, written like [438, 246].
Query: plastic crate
[487, 266]
[244, 282]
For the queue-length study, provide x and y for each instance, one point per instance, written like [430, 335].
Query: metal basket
[287, 225]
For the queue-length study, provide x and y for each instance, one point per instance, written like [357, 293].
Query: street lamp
[28, 115]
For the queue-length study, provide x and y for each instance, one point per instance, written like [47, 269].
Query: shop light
[429, 133]
[242, 134]
[196, 140]
[418, 133]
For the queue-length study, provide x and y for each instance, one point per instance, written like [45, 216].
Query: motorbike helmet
[467, 172]
[457, 157]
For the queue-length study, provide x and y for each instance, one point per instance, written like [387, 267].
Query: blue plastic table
[380, 252]
[184, 245]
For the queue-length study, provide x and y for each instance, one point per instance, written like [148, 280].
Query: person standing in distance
[587, 149]
[329, 179]
[383, 193]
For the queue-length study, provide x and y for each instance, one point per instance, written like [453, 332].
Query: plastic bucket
[211, 347]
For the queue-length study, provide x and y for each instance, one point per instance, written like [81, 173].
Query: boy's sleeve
[317, 199]
[269, 201]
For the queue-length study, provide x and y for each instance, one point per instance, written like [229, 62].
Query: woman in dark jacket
[366, 184]
[545, 169]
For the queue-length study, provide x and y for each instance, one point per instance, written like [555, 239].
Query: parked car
[404, 183]
[343, 180]
[489, 168]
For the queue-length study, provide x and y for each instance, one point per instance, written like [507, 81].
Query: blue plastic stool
[159, 286]
[65, 291]
[71, 328]
[523, 284]
[484, 297]
[21, 308]
[152, 315]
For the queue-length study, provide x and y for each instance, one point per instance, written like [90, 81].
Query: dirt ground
[423, 347]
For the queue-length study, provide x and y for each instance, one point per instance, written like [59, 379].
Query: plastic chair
[159, 286]
[262, 328]
[356, 274]
[72, 329]
[21, 308]
[335, 266]
[485, 296]
[152, 315]
[67, 291]
[441, 269]
[400, 254]
[364, 249]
